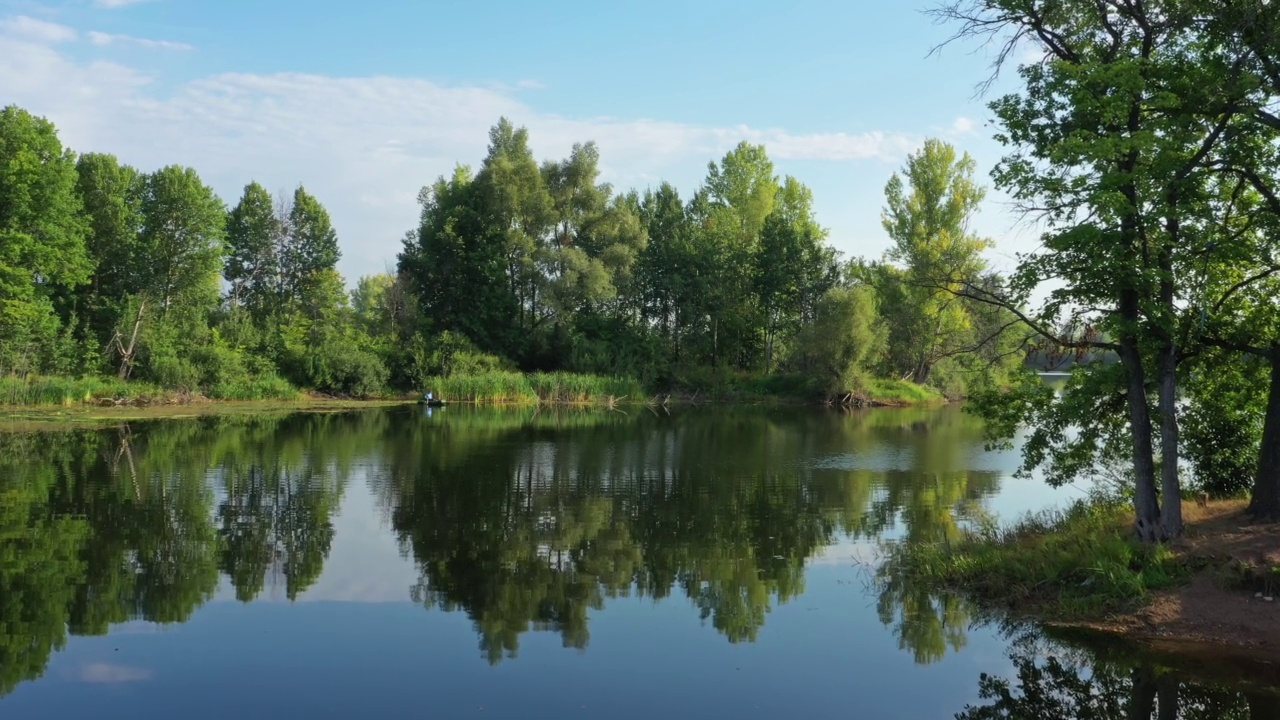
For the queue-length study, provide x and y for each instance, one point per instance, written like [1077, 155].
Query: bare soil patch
[1231, 607]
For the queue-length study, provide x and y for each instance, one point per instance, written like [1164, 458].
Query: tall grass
[39, 390]
[1079, 563]
[511, 388]
[65, 391]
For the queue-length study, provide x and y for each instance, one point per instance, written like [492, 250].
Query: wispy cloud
[30, 28]
[101, 38]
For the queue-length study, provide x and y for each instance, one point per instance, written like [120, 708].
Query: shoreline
[1215, 592]
[1223, 608]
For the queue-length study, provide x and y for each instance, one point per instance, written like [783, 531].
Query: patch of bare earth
[1232, 605]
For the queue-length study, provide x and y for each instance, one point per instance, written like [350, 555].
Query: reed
[66, 391]
[510, 388]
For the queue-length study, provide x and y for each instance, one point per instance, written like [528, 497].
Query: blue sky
[366, 102]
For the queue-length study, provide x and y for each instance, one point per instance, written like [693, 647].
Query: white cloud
[101, 38]
[363, 145]
[29, 28]
[961, 127]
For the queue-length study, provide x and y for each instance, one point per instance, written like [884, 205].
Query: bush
[1079, 563]
[265, 386]
[339, 368]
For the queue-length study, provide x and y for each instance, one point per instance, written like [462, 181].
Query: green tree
[42, 236]
[927, 214]
[839, 347]
[310, 249]
[793, 268]
[253, 264]
[1112, 144]
[111, 194]
[178, 265]
[455, 268]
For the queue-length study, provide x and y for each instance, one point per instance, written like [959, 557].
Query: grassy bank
[899, 393]
[730, 386]
[491, 388]
[41, 391]
[513, 388]
[1214, 588]
[1082, 563]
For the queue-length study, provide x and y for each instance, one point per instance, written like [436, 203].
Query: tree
[1111, 145]
[181, 244]
[793, 267]
[744, 182]
[42, 236]
[927, 214]
[253, 261]
[664, 269]
[111, 196]
[516, 213]
[455, 269]
[310, 249]
[178, 267]
[837, 349]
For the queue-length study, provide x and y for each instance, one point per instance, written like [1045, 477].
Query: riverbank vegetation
[1084, 568]
[1079, 563]
[121, 284]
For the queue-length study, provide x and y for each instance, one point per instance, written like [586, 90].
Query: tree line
[149, 276]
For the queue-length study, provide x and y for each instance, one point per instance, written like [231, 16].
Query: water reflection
[530, 523]
[1090, 680]
[524, 522]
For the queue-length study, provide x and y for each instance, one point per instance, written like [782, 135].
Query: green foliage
[1222, 424]
[1080, 563]
[42, 234]
[838, 348]
[877, 391]
[931, 325]
[180, 246]
[521, 265]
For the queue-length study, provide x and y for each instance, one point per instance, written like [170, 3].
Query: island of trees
[110, 272]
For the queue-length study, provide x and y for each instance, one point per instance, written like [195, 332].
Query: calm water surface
[409, 563]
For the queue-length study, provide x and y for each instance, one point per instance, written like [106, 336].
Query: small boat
[431, 402]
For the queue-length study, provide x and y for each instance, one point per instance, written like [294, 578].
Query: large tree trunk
[1266, 485]
[1145, 502]
[1170, 487]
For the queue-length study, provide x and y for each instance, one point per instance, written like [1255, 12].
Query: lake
[458, 563]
